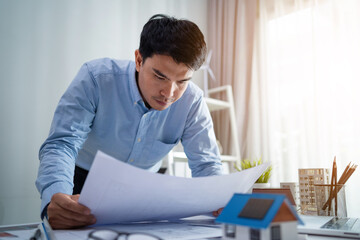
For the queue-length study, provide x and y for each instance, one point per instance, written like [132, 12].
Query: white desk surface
[26, 234]
[25, 231]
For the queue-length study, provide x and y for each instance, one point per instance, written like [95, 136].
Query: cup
[322, 196]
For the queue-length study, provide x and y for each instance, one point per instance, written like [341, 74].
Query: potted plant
[263, 180]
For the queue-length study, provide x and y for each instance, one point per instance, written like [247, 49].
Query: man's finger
[59, 222]
[78, 217]
[217, 212]
[65, 212]
[69, 202]
[61, 208]
[75, 197]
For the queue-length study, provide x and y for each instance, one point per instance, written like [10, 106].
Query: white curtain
[231, 27]
[305, 101]
[294, 69]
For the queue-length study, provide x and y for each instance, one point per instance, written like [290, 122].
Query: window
[230, 231]
[310, 56]
[275, 233]
[254, 234]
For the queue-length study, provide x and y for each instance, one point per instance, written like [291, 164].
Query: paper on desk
[118, 192]
[163, 230]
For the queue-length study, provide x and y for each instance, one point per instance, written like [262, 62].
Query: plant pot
[261, 185]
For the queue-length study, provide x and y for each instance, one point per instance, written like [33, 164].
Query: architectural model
[259, 216]
[294, 188]
[307, 178]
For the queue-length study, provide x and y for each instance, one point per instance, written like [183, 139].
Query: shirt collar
[135, 93]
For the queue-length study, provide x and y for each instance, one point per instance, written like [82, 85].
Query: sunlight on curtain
[307, 90]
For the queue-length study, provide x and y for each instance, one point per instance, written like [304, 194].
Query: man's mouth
[161, 103]
[164, 102]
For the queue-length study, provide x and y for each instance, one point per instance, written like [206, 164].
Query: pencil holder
[326, 202]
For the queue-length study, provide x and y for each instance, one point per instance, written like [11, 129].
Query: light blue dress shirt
[103, 110]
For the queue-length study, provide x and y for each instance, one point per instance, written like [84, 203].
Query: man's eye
[160, 78]
[182, 82]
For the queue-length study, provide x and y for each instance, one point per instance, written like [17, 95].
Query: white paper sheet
[117, 192]
[164, 230]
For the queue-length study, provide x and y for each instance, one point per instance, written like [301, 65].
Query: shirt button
[139, 139]
[135, 103]
[131, 160]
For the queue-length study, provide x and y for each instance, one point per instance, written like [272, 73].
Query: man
[135, 112]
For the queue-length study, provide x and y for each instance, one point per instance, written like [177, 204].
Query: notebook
[331, 226]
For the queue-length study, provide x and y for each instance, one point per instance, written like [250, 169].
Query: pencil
[331, 185]
[335, 189]
[341, 180]
[349, 170]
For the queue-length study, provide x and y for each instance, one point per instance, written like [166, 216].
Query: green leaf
[246, 163]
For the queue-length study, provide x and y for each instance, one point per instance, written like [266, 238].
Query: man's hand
[64, 211]
[217, 213]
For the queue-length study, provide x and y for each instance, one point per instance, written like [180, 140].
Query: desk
[178, 228]
[180, 231]
[19, 231]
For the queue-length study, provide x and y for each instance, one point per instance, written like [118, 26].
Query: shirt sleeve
[199, 142]
[69, 129]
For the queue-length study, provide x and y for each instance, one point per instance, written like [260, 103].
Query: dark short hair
[179, 38]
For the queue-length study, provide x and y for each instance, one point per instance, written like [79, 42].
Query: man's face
[161, 80]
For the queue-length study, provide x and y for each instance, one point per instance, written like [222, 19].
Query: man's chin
[160, 108]
[158, 105]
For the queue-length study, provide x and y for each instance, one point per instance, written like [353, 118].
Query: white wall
[42, 45]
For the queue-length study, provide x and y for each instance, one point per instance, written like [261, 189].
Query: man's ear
[138, 60]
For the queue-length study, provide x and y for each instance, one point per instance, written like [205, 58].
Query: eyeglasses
[107, 234]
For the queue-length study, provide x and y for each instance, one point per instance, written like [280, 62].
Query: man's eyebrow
[160, 73]
[164, 76]
[186, 79]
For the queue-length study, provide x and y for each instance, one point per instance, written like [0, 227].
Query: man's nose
[168, 90]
